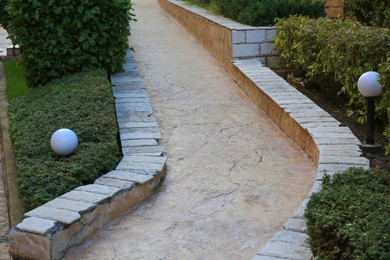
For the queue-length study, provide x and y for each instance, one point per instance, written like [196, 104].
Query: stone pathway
[233, 177]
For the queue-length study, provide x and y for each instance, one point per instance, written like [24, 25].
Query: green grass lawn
[15, 79]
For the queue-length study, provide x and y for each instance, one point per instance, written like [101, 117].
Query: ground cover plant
[82, 102]
[369, 12]
[15, 79]
[262, 12]
[350, 217]
[62, 37]
[332, 54]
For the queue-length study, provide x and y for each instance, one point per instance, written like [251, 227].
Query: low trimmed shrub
[264, 12]
[350, 217]
[333, 53]
[63, 37]
[82, 102]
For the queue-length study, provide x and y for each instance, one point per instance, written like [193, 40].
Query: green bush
[62, 37]
[4, 17]
[264, 12]
[335, 53]
[370, 12]
[82, 102]
[350, 217]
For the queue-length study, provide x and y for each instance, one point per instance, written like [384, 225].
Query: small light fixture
[64, 141]
[369, 87]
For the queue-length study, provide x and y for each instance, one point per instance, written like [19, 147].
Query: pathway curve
[233, 177]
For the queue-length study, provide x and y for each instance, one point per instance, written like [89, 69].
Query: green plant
[350, 217]
[263, 12]
[4, 17]
[15, 79]
[370, 12]
[82, 102]
[335, 52]
[62, 37]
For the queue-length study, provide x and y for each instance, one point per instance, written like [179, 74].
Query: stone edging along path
[49, 230]
[332, 147]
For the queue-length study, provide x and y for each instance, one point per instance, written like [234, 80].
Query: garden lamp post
[370, 88]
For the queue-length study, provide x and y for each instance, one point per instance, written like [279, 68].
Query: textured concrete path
[233, 177]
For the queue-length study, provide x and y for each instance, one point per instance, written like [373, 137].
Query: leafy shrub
[335, 53]
[264, 12]
[370, 12]
[4, 17]
[62, 37]
[384, 71]
[82, 102]
[350, 217]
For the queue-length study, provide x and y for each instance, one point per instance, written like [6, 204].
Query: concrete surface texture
[233, 177]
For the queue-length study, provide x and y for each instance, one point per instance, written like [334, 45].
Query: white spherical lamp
[368, 84]
[64, 141]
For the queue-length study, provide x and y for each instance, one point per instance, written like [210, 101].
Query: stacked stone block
[49, 230]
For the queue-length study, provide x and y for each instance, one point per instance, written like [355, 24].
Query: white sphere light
[368, 84]
[64, 141]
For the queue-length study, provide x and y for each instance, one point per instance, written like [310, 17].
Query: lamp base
[372, 148]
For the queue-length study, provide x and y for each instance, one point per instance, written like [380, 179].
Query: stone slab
[286, 250]
[139, 143]
[296, 238]
[140, 135]
[99, 189]
[129, 176]
[60, 215]
[124, 185]
[296, 225]
[38, 225]
[85, 197]
[72, 205]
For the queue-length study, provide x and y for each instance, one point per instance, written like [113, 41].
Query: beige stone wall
[334, 8]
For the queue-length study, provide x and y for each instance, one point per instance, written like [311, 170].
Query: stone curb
[332, 147]
[49, 230]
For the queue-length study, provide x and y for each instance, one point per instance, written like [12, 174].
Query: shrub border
[50, 230]
[332, 147]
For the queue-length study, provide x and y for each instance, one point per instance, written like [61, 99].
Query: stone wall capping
[50, 230]
[332, 146]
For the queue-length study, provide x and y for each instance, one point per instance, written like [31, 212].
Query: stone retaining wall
[332, 147]
[49, 230]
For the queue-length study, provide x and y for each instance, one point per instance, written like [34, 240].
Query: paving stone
[129, 176]
[264, 257]
[336, 150]
[60, 215]
[85, 197]
[300, 211]
[99, 189]
[38, 225]
[140, 135]
[341, 159]
[296, 225]
[140, 129]
[71, 205]
[139, 143]
[124, 185]
[296, 238]
[156, 150]
[337, 141]
[146, 159]
[139, 124]
[286, 250]
[315, 188]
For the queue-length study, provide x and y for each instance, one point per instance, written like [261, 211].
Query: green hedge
[62, 37]
[370, 12]
[82, 102]
[4, 19]
[350, 217]
[263, 12]
[334, 53]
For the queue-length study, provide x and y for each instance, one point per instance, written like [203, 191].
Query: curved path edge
[332, 147]
[48, 231]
